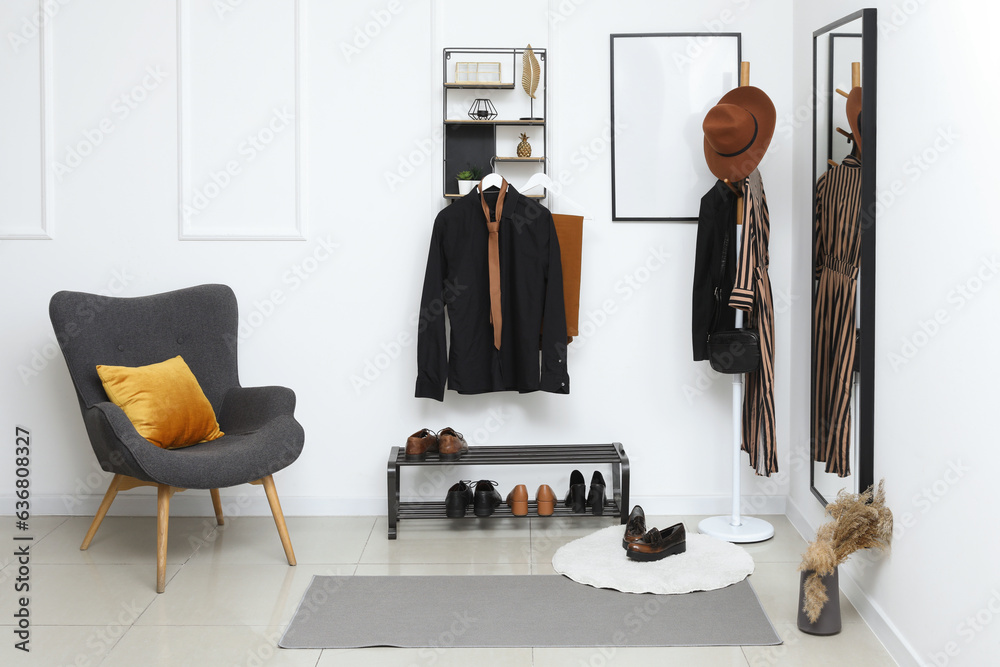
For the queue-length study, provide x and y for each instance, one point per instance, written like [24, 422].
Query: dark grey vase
[828, 622]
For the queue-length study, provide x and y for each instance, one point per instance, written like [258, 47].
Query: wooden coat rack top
[744, 81]
[855, 82]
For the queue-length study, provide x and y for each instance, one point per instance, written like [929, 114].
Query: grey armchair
[200, 324]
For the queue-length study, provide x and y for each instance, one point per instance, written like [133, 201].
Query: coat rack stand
[735, 527]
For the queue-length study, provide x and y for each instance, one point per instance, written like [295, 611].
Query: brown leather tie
[494, 257]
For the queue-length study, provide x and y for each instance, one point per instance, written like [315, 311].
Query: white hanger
[541, 178]
[491, 179]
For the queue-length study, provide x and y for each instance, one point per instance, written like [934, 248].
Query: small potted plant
[860, 521]
[468, 178]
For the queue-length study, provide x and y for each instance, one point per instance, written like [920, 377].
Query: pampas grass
[860, 521]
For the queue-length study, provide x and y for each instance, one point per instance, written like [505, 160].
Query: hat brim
[740, 166]
[854, 113]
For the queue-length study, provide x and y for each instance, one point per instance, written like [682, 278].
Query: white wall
[371, 109]
[935, 433]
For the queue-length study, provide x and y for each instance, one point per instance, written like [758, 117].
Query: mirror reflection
[836, 262]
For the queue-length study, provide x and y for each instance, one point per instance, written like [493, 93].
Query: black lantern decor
[482, 109]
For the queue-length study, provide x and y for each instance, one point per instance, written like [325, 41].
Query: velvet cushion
[163, 401]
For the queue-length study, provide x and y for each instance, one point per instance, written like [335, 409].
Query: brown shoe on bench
[421, 442]
[451, 444]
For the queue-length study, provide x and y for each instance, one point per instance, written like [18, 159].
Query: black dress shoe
[657, 544]
[487, 498]
[577, 496]
[635, 528]
[458, 499]
[596, 496]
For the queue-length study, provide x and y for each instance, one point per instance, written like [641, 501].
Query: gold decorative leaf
[532, 72]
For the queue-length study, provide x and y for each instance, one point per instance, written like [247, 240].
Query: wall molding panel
[15, 222]
[239, 121]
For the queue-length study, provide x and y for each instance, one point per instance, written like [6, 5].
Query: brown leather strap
[494, 258]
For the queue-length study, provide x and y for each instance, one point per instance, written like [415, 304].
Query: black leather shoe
[595, 499]
[458, 499]
[635, 528]
[577, 496]
[657, 544]
[487, 498]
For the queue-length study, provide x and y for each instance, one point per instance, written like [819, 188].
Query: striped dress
[836, 261]
[752, 293]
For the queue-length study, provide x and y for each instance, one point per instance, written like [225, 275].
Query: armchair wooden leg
[279, 517]
[163, 493]
[217, 504]
[102, 511]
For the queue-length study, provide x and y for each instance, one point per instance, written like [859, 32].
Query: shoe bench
[616, 504]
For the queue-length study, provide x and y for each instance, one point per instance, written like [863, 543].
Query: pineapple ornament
[524, 148]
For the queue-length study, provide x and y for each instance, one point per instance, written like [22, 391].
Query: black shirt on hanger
[531, 291]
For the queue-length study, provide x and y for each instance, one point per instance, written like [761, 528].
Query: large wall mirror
[843, 248]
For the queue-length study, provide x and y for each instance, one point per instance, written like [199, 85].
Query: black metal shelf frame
[616, 504]
[476, 136]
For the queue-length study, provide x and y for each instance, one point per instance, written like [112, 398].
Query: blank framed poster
[662, 85]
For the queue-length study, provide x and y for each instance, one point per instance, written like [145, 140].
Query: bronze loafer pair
[545, 498]
[448, 444]
[658, 544]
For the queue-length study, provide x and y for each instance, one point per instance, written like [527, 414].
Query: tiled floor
[230, 592]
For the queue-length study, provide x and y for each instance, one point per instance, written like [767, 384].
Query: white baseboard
[250, 501]
[892, 639]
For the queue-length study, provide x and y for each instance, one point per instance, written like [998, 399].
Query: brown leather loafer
[451, 444]
[635, 528]
[421, 442]
[657, 544]
[517, 500]
[546, 499]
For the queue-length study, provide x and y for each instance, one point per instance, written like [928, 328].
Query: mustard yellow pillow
[163, 401]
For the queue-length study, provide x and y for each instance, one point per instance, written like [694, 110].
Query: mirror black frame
[866, 342]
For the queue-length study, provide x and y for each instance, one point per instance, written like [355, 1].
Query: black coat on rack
[716, 216]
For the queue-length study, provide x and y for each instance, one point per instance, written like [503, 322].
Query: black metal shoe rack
[616, 504]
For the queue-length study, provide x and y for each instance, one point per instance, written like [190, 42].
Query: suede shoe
[517, 500]
[458, 499]
[546, 500]
[451, 444]
[487, 498]
[421, 442]
[595, 499]
[657, 544]
[635, 528]
[577, 496]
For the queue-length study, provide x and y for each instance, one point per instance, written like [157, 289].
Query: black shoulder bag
[731, 351]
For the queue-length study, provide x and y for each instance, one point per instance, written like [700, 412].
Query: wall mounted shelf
[478, 143]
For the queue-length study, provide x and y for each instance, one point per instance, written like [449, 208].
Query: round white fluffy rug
[599, 560]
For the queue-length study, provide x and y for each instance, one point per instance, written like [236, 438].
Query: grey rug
[516, 611]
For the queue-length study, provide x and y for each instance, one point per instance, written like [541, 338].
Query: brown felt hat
[854, 114]
[738, 131]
